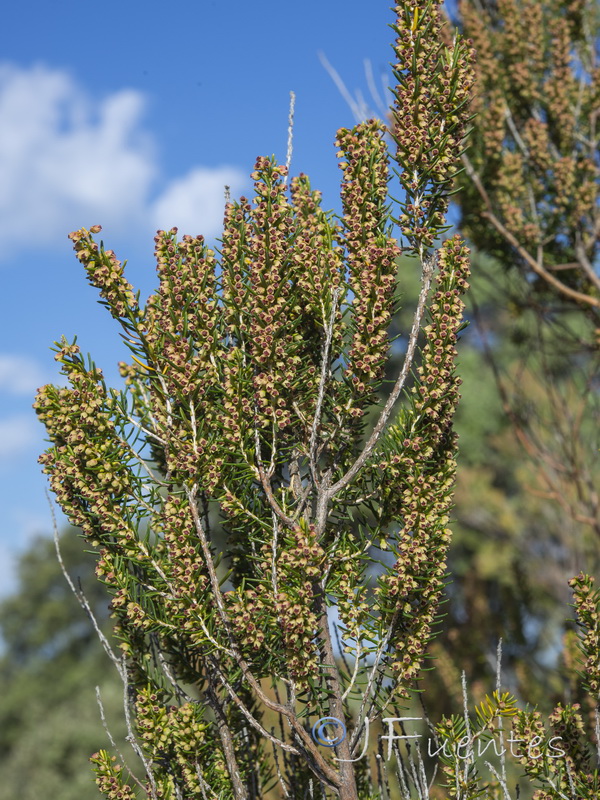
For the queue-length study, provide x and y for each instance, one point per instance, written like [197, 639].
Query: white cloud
[195, 203]
[67, 159]
[17, 435]
[64, 158]
[20, 375]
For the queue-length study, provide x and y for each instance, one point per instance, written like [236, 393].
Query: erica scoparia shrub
[276, 565]
[230, 488]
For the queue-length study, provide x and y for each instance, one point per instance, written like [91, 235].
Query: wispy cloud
[195, 203]
[17, 434]
[20, 375]
[63, 157]
[68, 159]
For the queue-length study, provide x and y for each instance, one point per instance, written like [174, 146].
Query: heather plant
[528, 207]
[530, 199]
[527, 203]
[271, 564]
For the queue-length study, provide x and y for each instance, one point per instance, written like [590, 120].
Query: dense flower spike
[372, 253]
[89, 463]
[420, 465]
[105, 272]
[430, 117]
[318, 253]
[110, 778]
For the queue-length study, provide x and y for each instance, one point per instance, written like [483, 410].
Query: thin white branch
[400, 772]
[357, 661]
[274, 559]
[181, 693]
[428, 265]
[585, 263]
[279, 775]
[144, 466]
[290, 140]
[358, 111]
[112, 741]
[500, 726]
[380, 649]
[381, 107]
[130, 734]
[513, 129]
[194, 427]
[500, 780]
[324, 373]
[469, 760]
[140, 427]
[252, 720]
[81, 598]
[204, 785]
[597, 732]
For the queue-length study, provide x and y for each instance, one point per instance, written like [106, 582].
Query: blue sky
[134, 116]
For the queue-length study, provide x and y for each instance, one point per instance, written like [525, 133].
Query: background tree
[50, 664]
